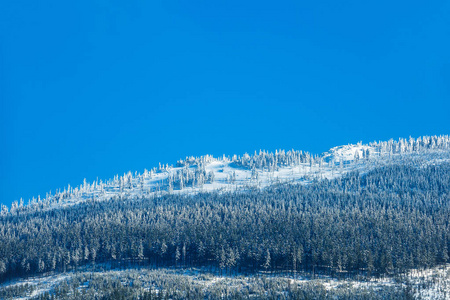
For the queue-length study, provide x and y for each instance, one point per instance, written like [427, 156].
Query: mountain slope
[207, 173]
[356, 212]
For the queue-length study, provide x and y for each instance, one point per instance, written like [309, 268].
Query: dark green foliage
[387, 221]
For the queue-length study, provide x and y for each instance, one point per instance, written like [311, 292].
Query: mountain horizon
[261, 169]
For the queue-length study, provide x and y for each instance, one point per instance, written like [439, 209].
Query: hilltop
[258, 170]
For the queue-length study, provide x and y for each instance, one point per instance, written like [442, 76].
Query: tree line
[191, 171]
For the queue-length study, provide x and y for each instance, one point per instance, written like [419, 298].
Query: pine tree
[267, 260]
[140, 255]
[177, 256]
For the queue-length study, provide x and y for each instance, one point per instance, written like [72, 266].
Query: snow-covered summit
[208, 173]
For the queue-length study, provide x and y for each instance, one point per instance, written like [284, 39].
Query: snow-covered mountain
[345, 219]
[208, 173]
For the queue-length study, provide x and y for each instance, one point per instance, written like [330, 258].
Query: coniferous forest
[387, 221]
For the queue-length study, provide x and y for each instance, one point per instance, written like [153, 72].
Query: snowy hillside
[177, 230]
[208, 173]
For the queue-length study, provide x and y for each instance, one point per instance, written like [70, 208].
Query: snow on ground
[425, 284]
[431, 283]
[42, 284]
[334, 163]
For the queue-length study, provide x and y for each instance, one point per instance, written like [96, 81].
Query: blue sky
[96, 88]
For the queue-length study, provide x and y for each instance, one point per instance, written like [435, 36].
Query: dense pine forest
[387, 221]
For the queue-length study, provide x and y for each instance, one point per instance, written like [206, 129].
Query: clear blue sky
[95, 88]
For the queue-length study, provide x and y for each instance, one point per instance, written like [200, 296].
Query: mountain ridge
[207, 173]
